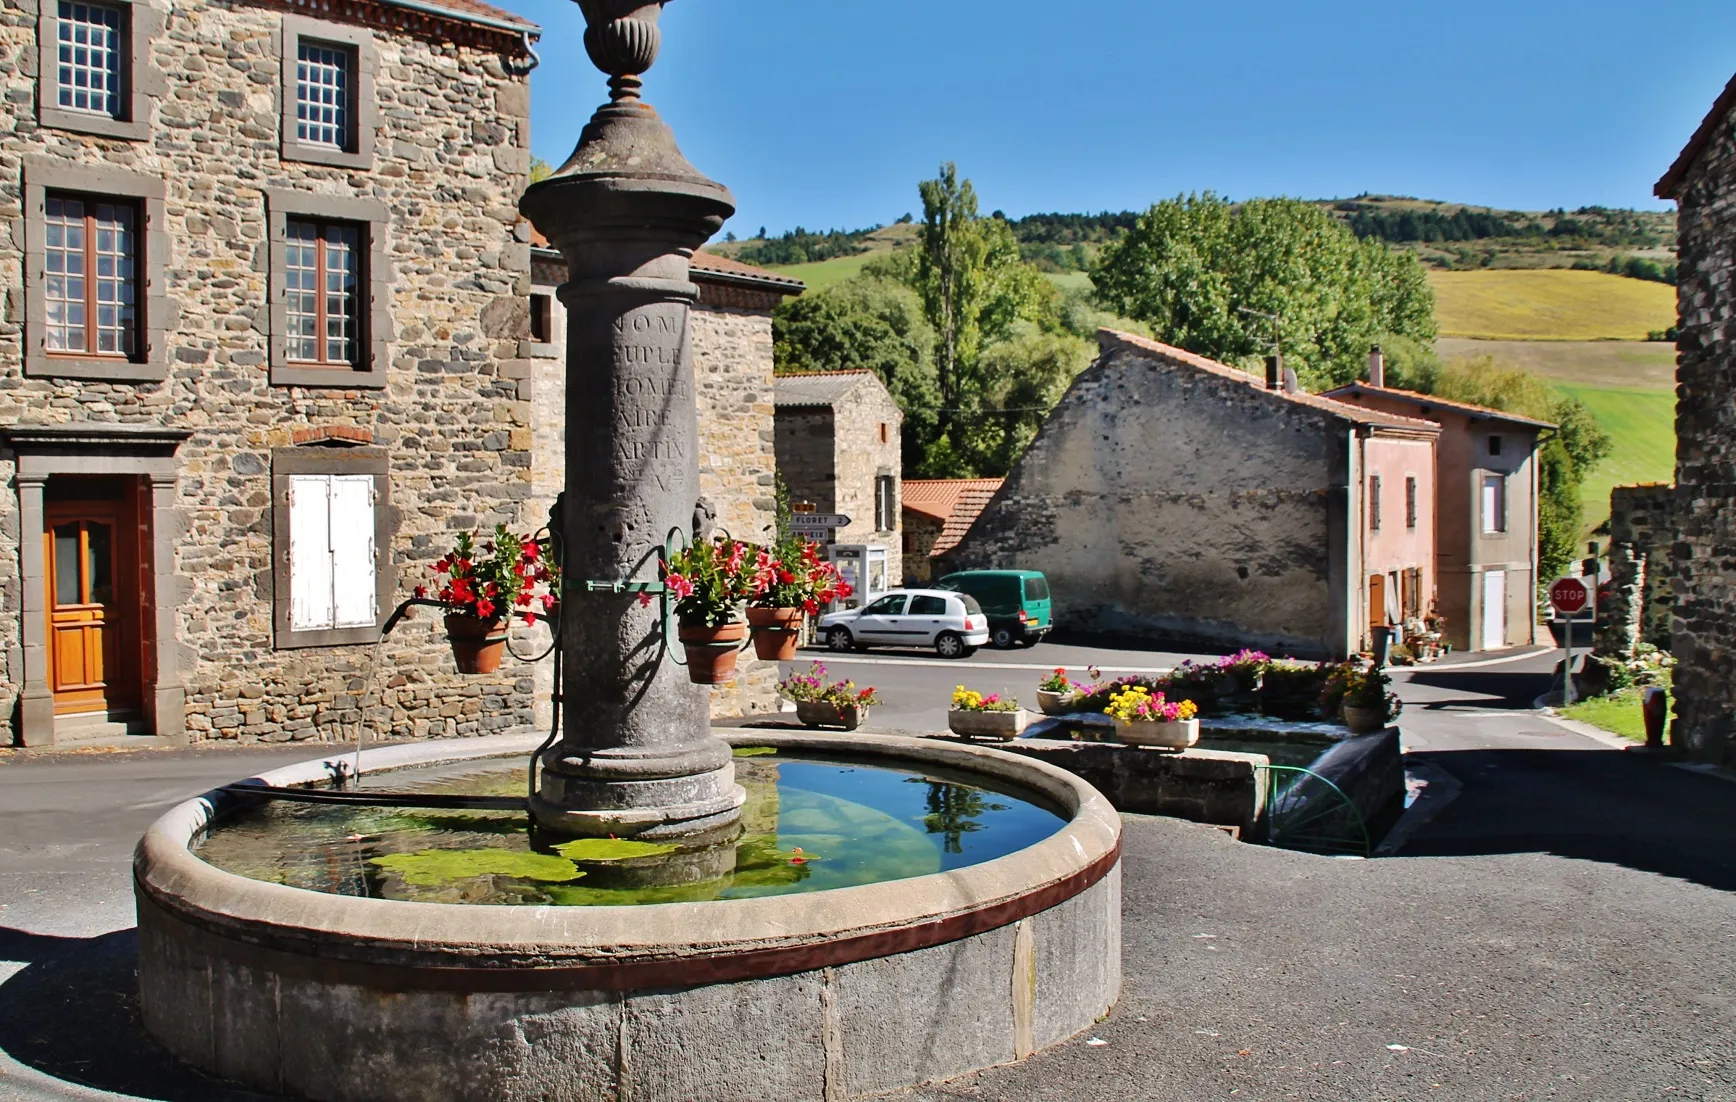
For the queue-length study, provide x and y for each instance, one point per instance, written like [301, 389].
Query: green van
[1016, 601]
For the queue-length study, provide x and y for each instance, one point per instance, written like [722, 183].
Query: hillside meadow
[1550, 305]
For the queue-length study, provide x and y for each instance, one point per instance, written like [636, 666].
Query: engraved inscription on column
[653, 399]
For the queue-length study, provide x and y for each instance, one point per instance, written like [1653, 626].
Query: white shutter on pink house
[331, 552]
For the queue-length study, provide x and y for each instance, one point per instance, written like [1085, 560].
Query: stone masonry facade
[444, 408]
[1703, 567]
[1638, 605]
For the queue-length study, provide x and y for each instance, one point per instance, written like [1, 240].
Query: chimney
[1274, 372]
[1292, 385]
[1376, 367]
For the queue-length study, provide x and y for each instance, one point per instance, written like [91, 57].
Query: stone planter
[1005, 726]
[711, 651]
[777, 632]
[1364, 720]
[1178, 735]
[477, 645]
[818, 713]
[1055, 704]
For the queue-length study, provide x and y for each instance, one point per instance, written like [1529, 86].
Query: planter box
[1179, 735]
[1053, 703]
[817, 713]
[1005, 726]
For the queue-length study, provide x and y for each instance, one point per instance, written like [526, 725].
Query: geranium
[796, 574]
[711, 579]
[503, 576]
[812, 687]
[1057, 682]
[1358, 686]
[969, 700]
[1138, 704]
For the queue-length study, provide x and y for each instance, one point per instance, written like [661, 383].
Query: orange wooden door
[1376, 600]
[88, 553]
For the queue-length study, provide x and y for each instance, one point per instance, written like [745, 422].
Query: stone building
[258, 362]
[838, 440]
[1486, 511]
[731, 331]
[937, 514]
[1703, 573]
[1638, 604]
[1173, 497]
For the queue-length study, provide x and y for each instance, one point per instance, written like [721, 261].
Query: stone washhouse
[1702, 570]
[1171, 496]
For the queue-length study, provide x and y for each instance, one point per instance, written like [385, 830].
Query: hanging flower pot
[477, 644]
[711, 651]
[777, 632]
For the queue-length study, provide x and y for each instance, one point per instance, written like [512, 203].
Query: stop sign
[1569, 595]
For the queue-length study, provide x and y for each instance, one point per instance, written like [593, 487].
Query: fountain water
[375, 962]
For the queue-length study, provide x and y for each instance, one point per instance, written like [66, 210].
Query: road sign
[819, 520]
[1569, 595]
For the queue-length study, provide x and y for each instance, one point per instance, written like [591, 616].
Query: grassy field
[1550, 305]
[1643, 426]
[1640, 364]
[823, 274]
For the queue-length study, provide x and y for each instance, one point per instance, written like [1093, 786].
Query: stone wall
[1166, 500]
[868, 447]
[732, 368]
[807, 458]
[1703, 630]
[449, 164]
[1638, 604]
[920, 532]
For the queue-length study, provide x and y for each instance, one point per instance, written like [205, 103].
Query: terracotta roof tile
[1106, 338]
[936, 497]
[972, 500]
[462, 8]
[1670, 186]
[1426, 400]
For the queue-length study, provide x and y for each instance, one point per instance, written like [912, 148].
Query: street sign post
[1569, 596]
[821, 527]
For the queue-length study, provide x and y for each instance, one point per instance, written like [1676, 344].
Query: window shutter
[310, 559]
[352, 551]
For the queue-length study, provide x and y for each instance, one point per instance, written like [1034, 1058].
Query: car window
[886, 606]
[971, 608]
[1036, 589]
[928, 606]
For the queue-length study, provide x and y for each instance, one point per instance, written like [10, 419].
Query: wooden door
[1376, 600]
[92, 641]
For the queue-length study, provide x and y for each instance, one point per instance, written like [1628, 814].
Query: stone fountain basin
[824, 996]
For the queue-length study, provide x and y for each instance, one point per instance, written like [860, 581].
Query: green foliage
[1368, 220]
[1230, 282]
[433, 867]
[799, 246]
[612, 849]
[540, 170]
[1024, 376]
[1565, 459]
[952, 276]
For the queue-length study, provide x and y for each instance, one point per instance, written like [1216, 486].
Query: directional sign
[819, 520]
[1569, 595]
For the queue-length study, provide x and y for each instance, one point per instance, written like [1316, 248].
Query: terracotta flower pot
[818, 713]
[1005, 726]
[1177, 735]
[711, 651]
[777, 632]
[477, 645]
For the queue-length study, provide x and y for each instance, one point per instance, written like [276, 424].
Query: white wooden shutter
[352, 551]
[310, 557]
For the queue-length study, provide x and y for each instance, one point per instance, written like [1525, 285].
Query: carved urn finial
[622, 38]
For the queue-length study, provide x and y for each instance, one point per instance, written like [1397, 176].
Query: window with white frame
[324, 81]
[329, 113]
[1494, 504]
[89, 51]
[332, 582]
[885, 503]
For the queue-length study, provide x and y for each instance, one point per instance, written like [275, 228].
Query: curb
[1435, 788]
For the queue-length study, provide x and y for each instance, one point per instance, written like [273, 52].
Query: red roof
[1671, 185]
[462, 8]
[955, 502]
[1357, 390]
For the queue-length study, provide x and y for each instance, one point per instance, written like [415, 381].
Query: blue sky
[827, 112]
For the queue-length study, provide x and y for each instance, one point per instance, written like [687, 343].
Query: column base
[666, 807]
[36, 718]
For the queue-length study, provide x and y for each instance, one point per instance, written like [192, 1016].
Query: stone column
[36, 698]
[165, 696]
[636, 755]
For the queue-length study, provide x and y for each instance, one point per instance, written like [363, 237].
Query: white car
[950, 622]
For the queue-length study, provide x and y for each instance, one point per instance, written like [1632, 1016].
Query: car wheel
[838, 639]
[1003, 638]
[949, 645]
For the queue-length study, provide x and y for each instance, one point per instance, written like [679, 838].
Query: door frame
[143, 451]
[121, 688]
[1483, 606]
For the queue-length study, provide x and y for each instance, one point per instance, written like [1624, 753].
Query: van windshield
[1036, 589]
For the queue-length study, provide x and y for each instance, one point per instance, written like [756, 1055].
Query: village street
[1558, 927]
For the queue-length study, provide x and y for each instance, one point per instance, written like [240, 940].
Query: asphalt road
[1561, 928]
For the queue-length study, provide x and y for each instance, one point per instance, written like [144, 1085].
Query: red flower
[548, 602]
[421, 592]
[530, 618]
[484, 609]
[531, 550]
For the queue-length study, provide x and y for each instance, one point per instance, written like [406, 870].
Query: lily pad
[433, 867]
[754, 751]
[611, 849]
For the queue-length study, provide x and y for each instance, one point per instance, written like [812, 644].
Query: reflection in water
[808, 825]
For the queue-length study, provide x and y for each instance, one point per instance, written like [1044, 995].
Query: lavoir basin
[892, 911]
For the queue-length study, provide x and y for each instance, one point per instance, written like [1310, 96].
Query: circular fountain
[809, 917]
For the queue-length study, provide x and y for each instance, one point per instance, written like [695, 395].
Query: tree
[1576, 447]
[540, 170]
[1234, 282]
[951, 257]
[1026, 375]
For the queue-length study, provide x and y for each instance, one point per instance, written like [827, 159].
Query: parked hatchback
[950, 622]
[1017, 602]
